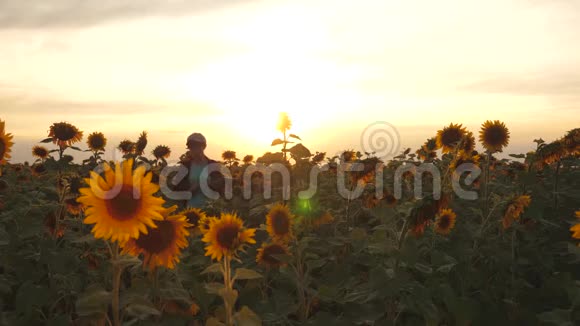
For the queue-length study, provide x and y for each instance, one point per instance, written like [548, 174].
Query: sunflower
[248, 159]
[284, 122]
[161, 152]
[229, 156]
[40, 151]
[445, 221]
[38, 169]
[5, 144]
[463, 158]
[51, 225]
[205, 223]
[572, 141]
[162, 244]
[576, 228]
[348, 156]
[266, 255]
[96, 141]
[122, 203]
[194, 216]
[323, 219]
[64, 134]
[468, 142]
[450, 136]
[494, 135]
[226, 236]
[73, 206]
[515, 209]
[141, 143]
[279, 223]
[126, 147]
[551, 153]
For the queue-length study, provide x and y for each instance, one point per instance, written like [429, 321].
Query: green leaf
[93, 301]
[142, 310]
[294, 136]
[277, 141]
[556, 317]
[424, 268]
[75, 148]
[246, 274]
[46, 140]
[214, 268]
[246, 317]
[126, 261]
[214, 288]
[214, 322]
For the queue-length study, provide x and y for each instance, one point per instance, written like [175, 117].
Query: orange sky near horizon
[227, 69]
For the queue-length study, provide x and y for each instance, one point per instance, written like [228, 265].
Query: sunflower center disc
[64, 133]
[227, 236]
[157, 240]
[281, 224]
[271, 250]
[2, 148]
[451, 136]
[495, 136]
[124, 205]
[444, 222]
[192, 218]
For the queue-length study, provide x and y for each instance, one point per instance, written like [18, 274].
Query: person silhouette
[196, 162]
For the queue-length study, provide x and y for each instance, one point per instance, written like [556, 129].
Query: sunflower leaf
[277, 141]
[294, 136]
[247, 317]
[246, 274]
[214, 268]
[75, 148]
[46, 140]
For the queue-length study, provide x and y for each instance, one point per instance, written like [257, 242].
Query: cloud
[79, 13]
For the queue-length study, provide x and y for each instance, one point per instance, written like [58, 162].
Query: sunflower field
[95, 242]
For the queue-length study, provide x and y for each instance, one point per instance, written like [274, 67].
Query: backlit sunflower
[205, 223]
[494, 135]
[551, 153]
[226, 236]
[284, 122]
[194, 216]
[279, 223]
[229, 155]
[161, 151]
[468, 142]
[96, 141]
[445, 221]
[64, 134]
[576, 228]
[141, 143]
[266, 255]
[323, 219]
[126, 147]
[40, 151]
[248, 159]
[515, 209]
[5, 144]
[572, 141]
[122, 203]
[38, 169]
[162, 245]
[73, 206]
[450, 136]
[463, 158]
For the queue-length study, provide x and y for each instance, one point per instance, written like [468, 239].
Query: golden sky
[226, 68]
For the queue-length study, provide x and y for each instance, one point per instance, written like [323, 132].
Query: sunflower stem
[558, 164]
[487, 180]
[228, 293]
[117, 271]
[400, 242]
